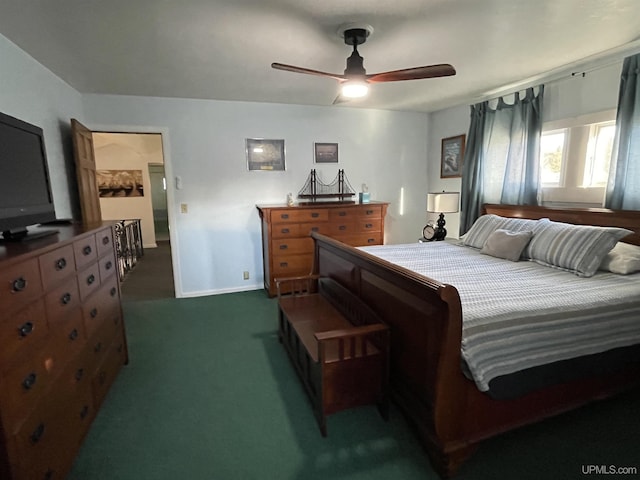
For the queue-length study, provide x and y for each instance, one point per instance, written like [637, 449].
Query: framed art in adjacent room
[452, 156]
[325, 152]
[266, 155]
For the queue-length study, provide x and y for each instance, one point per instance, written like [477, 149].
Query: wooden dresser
[62, 342]
[287, 248]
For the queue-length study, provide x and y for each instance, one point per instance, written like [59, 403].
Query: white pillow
[485, 225]
[624, 259]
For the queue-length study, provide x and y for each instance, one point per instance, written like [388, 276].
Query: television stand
[24, 235]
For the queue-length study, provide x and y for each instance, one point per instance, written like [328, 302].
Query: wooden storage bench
[338, 345]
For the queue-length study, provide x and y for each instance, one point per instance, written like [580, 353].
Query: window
[599, 152]
[575, 155]
[552, 157]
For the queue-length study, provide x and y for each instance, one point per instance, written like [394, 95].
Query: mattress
[522, 316]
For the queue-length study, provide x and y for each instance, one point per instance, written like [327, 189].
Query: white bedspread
[518, 315]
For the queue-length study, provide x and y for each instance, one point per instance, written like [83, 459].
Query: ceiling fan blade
[416, 73]
[308, 71]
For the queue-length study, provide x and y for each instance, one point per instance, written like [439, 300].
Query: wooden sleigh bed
[448, 412]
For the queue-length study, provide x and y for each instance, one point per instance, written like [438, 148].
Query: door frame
[168, 169]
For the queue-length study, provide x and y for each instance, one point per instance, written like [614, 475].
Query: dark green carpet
[210, 394]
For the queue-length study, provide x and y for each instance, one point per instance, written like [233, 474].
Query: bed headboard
[602, 217]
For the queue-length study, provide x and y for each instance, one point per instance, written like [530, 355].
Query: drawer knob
[283, 247]
[369, 212]
[284, 230]
[93, 312]
[105, 240]
[368, 225]
[113, 291]
[61, 263]
[37, 434]
[314, 229]
[284, 264]
[73, 334]
[371, 240]
[108, 265]
[19, 284]
[26, 329]
[342, 214]
[66, 298]
[90, 279]
[29, 381]
[342, 227]
[87, 250]
[315, 215]
[284, 216]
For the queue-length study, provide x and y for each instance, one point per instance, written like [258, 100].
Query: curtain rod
[577, 68]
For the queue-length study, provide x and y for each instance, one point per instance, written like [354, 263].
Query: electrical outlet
[245, 275]
[184, 208]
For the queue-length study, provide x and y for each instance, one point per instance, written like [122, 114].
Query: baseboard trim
[221, 291]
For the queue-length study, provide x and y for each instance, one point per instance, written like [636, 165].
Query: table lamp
[442, 202]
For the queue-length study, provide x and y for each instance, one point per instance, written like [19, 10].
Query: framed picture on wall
[325, 152]
[451, 157]
[266, 155]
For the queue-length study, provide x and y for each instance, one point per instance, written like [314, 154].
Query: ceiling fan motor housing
[355, 36]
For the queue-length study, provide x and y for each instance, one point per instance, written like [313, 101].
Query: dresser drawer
[300, 215]
[102, 306]
[115, 357]
[62, 300]
[89, 280]
[19, 285]
[66, 339]
[355, 225]
[292, 265]
[373, 238]
[85, 251]
[21, 330]
[57, 265]
[292, 246]
[107, 266]
[104, 241]
[338, 214]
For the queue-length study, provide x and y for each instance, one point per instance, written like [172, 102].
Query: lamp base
[440, 232]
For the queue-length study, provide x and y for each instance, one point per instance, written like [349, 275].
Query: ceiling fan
[355, 79]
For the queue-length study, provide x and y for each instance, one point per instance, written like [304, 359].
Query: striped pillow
[485, 225]
[579, 249]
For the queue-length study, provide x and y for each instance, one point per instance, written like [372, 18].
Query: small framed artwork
[266, 155]
[325, 152]
[452, 156]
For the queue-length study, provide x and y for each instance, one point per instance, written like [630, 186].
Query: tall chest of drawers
[287, 247]
[62, 343]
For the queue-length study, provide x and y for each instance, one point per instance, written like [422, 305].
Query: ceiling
[223, 49]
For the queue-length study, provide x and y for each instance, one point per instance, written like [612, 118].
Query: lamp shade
[443, 202]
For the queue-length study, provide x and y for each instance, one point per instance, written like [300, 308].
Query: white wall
[220, 236]
[32, 93]
[566, 98]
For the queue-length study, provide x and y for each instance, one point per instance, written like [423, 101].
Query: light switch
[179, 183]
[184, 208]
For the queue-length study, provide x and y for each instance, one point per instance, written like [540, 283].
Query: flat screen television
[25, 189]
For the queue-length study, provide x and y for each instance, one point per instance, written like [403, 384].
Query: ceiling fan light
[354, 89]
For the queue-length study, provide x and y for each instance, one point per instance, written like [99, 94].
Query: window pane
[601, 156]
[551, 155]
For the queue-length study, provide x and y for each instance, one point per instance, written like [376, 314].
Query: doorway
[140, 154]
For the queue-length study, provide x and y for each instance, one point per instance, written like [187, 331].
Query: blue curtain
[502, 157]
[623, 188]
